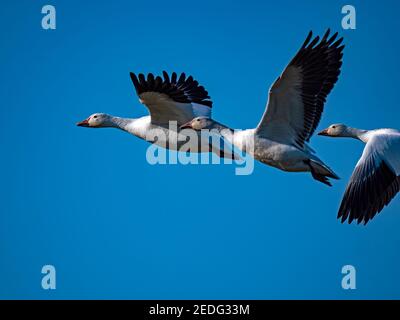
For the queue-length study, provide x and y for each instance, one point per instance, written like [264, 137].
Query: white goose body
[282, 156]
[293, 111]
[168, 138]
[275, 154]
[294, 108]
[142, 128]
[172, 101]
[376, 178]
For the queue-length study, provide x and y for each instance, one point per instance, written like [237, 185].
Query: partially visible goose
[376, 178]
[295, 105]
[168, 99]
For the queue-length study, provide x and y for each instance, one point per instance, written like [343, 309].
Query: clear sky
[87, 202]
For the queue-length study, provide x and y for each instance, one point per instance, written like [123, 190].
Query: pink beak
[84, 123]
[187, 125]
[323, 133]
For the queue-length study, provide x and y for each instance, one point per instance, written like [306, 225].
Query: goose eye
[95, 117]
[334, 127]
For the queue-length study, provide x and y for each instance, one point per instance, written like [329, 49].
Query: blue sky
[87, 202]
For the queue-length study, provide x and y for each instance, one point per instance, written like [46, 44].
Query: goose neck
[357, 134]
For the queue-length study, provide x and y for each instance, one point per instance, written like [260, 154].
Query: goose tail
[321, 172]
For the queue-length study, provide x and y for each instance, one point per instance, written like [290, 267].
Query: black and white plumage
[172, 98]
[296, 102]
[182, 89]
[376, 178]
[171, 101]
[296, 99]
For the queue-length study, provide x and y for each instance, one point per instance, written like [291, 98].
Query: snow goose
[296, 102]
[168, 99]
[376, 178]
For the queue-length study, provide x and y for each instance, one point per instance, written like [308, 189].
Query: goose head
[198, 124]
[96, 120]
[335, 130]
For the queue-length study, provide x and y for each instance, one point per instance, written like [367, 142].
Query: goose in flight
[176, 99]
[295, 105]
[376, 178]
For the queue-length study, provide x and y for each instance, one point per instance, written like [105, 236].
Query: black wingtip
[150, 77]
[182, 78]
[166, 76]
[133, 76]
[135, 82]
[326, 35]
[182, 89]
[173, 77]
[309, 36]
[332, 38]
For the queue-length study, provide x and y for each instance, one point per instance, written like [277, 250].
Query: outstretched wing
[375, 180]
[172, 98]
[296, 99]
